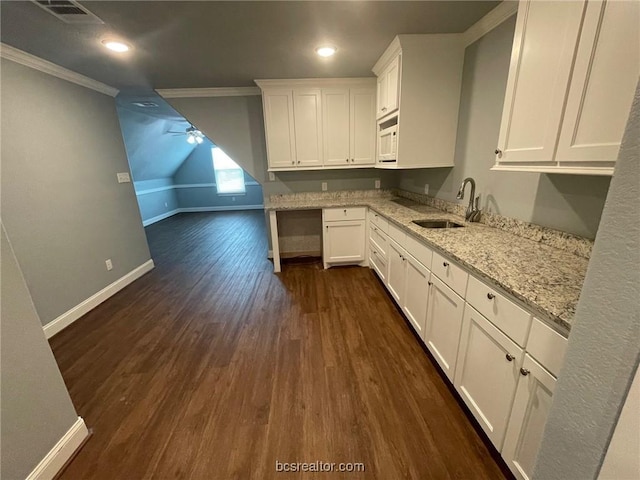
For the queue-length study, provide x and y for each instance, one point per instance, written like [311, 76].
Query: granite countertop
[546, 279]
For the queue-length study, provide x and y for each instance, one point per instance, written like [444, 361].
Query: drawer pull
[345, 211]
[430, 283]
[524, 372]
[445, 264]
[509, 357]
[490, 296]
[374, 229]
[347, 160]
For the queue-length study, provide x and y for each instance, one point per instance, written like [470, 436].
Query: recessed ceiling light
[326, 51]
[116, 45]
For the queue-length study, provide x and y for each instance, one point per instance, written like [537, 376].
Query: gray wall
[156, 197]
[61, 203]
[604, 346]
[198, 169]
[36, 408]
[236, 125]
[566, 202]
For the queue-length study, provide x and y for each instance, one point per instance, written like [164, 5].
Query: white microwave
[388, 143]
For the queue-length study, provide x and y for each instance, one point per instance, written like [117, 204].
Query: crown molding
[37, 63]
[490, 21]
[208, 92]
[389, 54]
[317, 82]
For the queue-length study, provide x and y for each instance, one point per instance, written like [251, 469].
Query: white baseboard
[221, 209]
[67, 318]
[157, 218]
[61, 452]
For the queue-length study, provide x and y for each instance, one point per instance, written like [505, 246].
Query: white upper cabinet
[315, 124]
[349, 128]
[419, 82]
[307, 121]
[278, 116]
[388, 88]
[574, 68]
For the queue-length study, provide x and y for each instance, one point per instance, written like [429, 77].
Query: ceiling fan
[194, 136]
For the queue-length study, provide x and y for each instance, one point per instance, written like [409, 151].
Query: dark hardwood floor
[213, 367]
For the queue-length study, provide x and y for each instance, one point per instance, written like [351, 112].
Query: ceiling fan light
[199, 140]
[191, 139]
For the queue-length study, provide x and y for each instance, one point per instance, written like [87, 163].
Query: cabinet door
[381, 95]
[362, 127]
[280, 135]
[543, 50]
[336, 124]
[487, 373]
[528, 417]
[416, 295]
[444, 321]
[393, 86]
[307, 111]
[604, 79]
[396, 271]
[344, 242]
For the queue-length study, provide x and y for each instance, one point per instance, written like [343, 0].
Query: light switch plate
[426, 189]
[377, 184]
[123, 177]
[272, 177]
[108, 264]
[324, 186]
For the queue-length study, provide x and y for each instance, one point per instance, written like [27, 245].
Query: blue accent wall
[156, 198]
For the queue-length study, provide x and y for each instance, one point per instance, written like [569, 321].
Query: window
[229, 176]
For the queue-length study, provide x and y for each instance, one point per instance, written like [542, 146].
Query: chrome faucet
[473, 212]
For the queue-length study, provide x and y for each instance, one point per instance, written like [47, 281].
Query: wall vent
[69, 11]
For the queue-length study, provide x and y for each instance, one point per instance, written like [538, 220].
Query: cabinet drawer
[547, 346]
[349, 213]
[397, 234]
[379, 221]
[419, 251]
[378, 240]
[450, 273]
[503, 313]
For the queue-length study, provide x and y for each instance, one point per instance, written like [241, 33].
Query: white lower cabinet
[416, 296]
[528, 417]
[444, 321]
[396, 280]
[344, 236]
[487, 373]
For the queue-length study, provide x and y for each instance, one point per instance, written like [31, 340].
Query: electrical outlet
[426, 189]
[377, 184]
[233, 199]
[123, 177]
[166, 204]
[272, 177]
[324, 186]
[109, 264]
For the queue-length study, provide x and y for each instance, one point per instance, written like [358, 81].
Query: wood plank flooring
[213, 367]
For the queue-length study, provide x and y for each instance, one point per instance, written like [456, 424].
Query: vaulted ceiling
[181, 44]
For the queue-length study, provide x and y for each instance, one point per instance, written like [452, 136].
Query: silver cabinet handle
[498, 153]
[509, 357]
[298, 162]
[384, 109]
[524, 372]
[445, 264]
[345, 211]
[490, 296]
[352, 159]
[430, 283]
[347, 160]
[374, 229]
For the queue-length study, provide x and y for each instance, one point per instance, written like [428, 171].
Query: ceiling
[227, 44]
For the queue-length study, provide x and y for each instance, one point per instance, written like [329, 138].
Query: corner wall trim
[67, 318]
[490, 21]
[61, 452]
[37, 63]
[208, 92]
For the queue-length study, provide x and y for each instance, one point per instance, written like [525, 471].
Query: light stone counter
[547, 280]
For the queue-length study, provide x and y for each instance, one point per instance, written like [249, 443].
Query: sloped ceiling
[180, 44]
[153, 152]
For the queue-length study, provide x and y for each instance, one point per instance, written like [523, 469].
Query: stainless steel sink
[437, 223]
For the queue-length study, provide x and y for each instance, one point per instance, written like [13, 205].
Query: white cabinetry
[444, 321]
[388, 88]
[396, 277]
[419, 81]
[344, 236]
[487, 373]
[307, 122]
[279, 130]
[573, 73]
[316, 124]
[349, 129]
